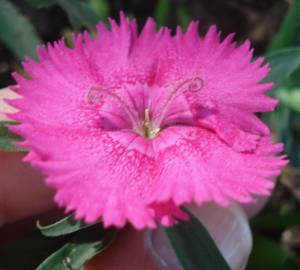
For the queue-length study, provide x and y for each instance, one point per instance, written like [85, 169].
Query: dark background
[257, 20]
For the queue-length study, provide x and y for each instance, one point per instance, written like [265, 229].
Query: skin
[24, 196]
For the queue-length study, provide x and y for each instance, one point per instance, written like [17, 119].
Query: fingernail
[161, 250]
[228, 227]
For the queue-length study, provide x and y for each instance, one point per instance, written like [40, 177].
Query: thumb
[22, 190]
[127, 252]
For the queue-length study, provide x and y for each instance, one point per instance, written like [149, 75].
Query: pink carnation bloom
[128, 126]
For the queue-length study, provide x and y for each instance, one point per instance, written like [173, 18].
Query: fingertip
[23, 192]
[127, 252]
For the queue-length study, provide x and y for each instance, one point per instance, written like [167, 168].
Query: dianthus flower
[128, 126]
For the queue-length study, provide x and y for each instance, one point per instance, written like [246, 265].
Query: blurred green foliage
[284, 58]
[7, 138]
[289, 28]
[18, 34]
[268, 255]
[81, 13]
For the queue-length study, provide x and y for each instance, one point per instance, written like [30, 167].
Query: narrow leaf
[183, 17]
[290, 98]
[80, 13]
[285, 120]
[283, 64]
[162, 12]
[268, 255]
[8, 138]
[42, 3]
[288, 29]
[64, 226]
[101, 8]
[194, 246]
[16, 31]
[275, 222]
[28, 252]
[84, 246]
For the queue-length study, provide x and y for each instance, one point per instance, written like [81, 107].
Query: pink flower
[128, 126]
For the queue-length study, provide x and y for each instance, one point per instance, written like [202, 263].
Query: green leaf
[288, 29]
[41, 3]
[28, 252]
[84, 246]
[294, 79]
[285, 123]
[274, 222]
[7, 138]
[290, 98]
[268, 255]
[183, 17]
[162, 12]
[64, 252]
[285, 120]
[64, 226]
[101, 8]
[80, 13]
[283, 64]
[194, 246]
[16, 31]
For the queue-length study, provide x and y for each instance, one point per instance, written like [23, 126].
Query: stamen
[147, 128]
[147, 116]
[146, 123]
[196, 84]
[193, 85]
[95, 94]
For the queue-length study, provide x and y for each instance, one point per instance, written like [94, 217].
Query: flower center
[144, 109]
[148, 130]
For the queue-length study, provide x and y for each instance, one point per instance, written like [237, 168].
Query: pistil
[148, 130]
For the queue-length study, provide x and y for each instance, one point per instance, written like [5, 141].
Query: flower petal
[100, 174]
[230, 79]
[112, 181]
[195, 165]
[93, 150]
